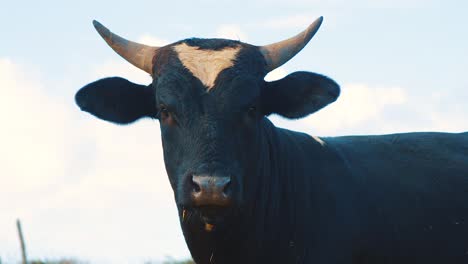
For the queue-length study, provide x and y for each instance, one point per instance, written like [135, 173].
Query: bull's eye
[165, 115]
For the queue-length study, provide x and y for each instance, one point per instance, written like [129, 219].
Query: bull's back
[413, 196]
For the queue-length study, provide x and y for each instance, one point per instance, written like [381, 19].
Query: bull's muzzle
[211, 191]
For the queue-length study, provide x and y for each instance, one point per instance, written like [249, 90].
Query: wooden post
[21, 238]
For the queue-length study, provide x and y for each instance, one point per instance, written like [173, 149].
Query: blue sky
[99, 192]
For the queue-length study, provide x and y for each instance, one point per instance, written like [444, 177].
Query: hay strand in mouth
[209, 227]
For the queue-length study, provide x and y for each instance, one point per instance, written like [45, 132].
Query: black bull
[248, 192]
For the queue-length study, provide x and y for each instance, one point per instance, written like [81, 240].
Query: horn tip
[101, 29]
[96, 23]
[318, 21]
[313, 28]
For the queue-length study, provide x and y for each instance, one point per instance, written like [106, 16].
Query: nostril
[195, 185]
[227, 187]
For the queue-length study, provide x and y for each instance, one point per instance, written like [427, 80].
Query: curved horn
[137, 54]
[279, 53]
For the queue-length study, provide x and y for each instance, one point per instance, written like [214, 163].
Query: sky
[97, 191]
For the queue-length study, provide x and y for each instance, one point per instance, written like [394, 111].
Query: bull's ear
[117, 100]
[298, 94]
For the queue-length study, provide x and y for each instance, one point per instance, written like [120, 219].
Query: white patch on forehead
[206, 64]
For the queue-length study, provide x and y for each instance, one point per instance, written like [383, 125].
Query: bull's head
[211, 100]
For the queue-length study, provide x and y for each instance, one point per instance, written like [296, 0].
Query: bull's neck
[284, 205]
[284, 197]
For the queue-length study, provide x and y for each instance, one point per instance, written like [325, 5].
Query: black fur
[117, 100]
[211, 44]
[299, 94]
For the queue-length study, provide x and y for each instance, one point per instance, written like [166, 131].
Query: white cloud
[125, 196]
[87, 187]
[31, 138]
[359, 103]
[231, 31]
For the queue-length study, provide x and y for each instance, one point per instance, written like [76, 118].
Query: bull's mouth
[212, 218]
[212, 214]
